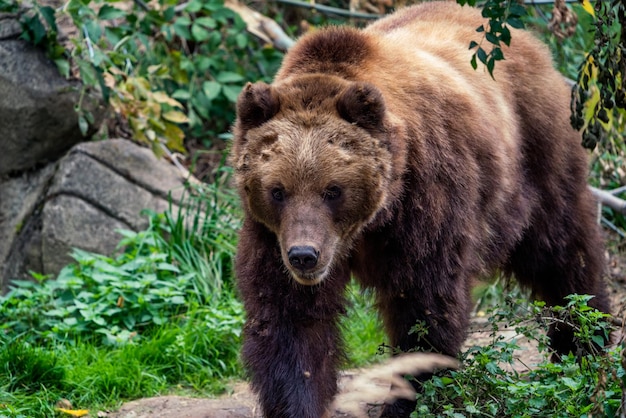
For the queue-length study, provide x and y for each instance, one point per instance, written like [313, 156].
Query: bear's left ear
[256, 104]
[363, 105]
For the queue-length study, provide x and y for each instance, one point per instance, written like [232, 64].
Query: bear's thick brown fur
[381, 153]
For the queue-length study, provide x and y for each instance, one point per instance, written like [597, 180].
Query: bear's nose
[302, 257]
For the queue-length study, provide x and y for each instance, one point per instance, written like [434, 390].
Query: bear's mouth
[308, 278]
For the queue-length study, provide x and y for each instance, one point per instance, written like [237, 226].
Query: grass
[198, 353]
[362, 329]
[194, 354]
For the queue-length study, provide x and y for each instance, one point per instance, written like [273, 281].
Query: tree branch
[609, 199]
[330, 10]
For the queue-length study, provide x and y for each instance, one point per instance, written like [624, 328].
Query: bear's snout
[303, 257]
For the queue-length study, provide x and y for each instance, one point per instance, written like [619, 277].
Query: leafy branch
[599, 95]
[502, 15]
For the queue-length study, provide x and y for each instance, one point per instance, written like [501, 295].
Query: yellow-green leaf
[74, 412]
[161, 97]
[176, 116]
[588, 7]
[175, 137]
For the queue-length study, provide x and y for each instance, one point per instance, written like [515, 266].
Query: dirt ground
[240, 402]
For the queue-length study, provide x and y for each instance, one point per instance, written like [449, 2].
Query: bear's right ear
[257, 104]
[362, 104]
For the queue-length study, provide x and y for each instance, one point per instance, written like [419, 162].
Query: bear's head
[313, 163]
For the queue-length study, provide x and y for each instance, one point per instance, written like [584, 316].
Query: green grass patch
[362, 329]
[197, 353]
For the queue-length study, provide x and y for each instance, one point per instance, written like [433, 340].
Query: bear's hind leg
[560, 257]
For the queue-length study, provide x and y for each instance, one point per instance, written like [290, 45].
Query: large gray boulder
[80, 202]
[38, 122]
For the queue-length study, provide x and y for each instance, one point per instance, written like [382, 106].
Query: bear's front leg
[292, 343]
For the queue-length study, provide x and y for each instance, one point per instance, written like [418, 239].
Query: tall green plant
[201, 235]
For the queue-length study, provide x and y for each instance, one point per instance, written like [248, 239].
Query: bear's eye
[331, 193]
[278, 194]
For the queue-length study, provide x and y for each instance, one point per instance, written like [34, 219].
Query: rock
[101, 187]
[70, 222]
[80, 202]
[10, 28]
[20, 201]
[38, 122]
[105, 173]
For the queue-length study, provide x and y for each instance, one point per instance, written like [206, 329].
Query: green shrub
[488, 385]
[145, 322]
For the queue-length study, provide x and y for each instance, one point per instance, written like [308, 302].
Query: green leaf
[515, 22]
[473, 62]
[505, 36]
[517, 9]
[497, 54]
[48, 14]
[242, 40]
[83, 125]
[183, 21]
[199, 33]
[108, 12]
[213, 5]
[36, 32]
[71, 321]
[598, 339]
[231, 92]
[93, 30]
[211, 89]
[63, 66]
[490, 66]
[207, 22]
[182, 30]
[181, 94]
[570, 383]
[493, 38]
[229, 77]
[482, 55]
[473, 45]
[194, 6]
[168, 267]
[178, 300]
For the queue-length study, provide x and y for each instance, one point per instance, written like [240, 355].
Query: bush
[488, 385]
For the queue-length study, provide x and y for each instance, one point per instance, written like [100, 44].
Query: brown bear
[380, 153]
